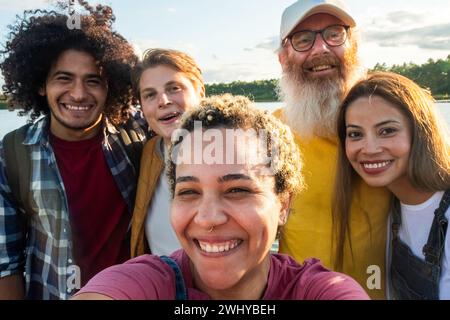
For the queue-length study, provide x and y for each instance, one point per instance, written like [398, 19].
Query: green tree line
[433, 75]
[260, 90]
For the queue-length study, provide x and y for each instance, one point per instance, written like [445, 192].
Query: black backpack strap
[18, 168]
[180, 287]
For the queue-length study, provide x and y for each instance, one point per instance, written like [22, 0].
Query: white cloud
[270, 44]
[255, 65]
[140, 45]
[435, 37]
[404, 17]
[8, 5]
[371, 54]
[188, 47]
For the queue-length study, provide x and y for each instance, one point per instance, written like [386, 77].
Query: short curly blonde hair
[238, 112]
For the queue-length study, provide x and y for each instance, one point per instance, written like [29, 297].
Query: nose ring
[211, 229]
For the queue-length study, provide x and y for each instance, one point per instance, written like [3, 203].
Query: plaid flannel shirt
[43, 251]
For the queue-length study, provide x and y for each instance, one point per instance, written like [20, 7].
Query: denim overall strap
[434, 247]
[411, 277]
[180, 288]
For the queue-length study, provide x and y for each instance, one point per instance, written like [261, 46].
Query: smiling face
[378, 142]
[165, 94]
[76, 93]
[321, 61]
[315, 81]
[231, 260]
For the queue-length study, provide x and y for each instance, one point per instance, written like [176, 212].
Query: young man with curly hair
[75, 85]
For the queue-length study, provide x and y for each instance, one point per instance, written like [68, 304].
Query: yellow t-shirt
[308, 232]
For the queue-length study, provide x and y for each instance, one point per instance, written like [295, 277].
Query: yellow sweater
[308, 232]
[151, 167]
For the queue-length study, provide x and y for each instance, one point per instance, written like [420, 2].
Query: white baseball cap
[302, 9]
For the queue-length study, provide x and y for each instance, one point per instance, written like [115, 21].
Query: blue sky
[235, 39]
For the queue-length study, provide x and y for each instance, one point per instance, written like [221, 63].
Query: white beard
[311, 105]
[311, 109]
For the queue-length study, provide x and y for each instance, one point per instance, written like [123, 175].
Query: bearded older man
[319, 58]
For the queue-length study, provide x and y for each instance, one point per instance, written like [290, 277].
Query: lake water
[11, 121]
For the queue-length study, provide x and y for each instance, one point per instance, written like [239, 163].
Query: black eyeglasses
[334, 36]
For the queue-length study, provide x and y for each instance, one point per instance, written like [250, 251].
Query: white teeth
[219, 247]
[77, 108]
[170, 115]
[376, 165]
[321, 68]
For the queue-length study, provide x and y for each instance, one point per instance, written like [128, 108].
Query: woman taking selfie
[232, 174]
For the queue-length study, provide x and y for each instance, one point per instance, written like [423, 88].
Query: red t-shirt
[98, 213]
[147, 277]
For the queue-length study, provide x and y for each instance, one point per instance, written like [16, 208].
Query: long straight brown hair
[429, 159]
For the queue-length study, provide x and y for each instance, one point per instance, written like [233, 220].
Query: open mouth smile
[170, 117]
[75, 107]
[320, 68]
[218, 247]
[376, 167]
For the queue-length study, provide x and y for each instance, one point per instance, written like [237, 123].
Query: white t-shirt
[414, 231]
[161, 238]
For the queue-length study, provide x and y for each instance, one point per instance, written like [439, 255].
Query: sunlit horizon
[235, 40]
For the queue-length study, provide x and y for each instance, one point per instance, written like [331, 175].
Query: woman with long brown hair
[391, 136]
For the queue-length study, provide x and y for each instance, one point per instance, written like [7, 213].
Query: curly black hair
[38, 38]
